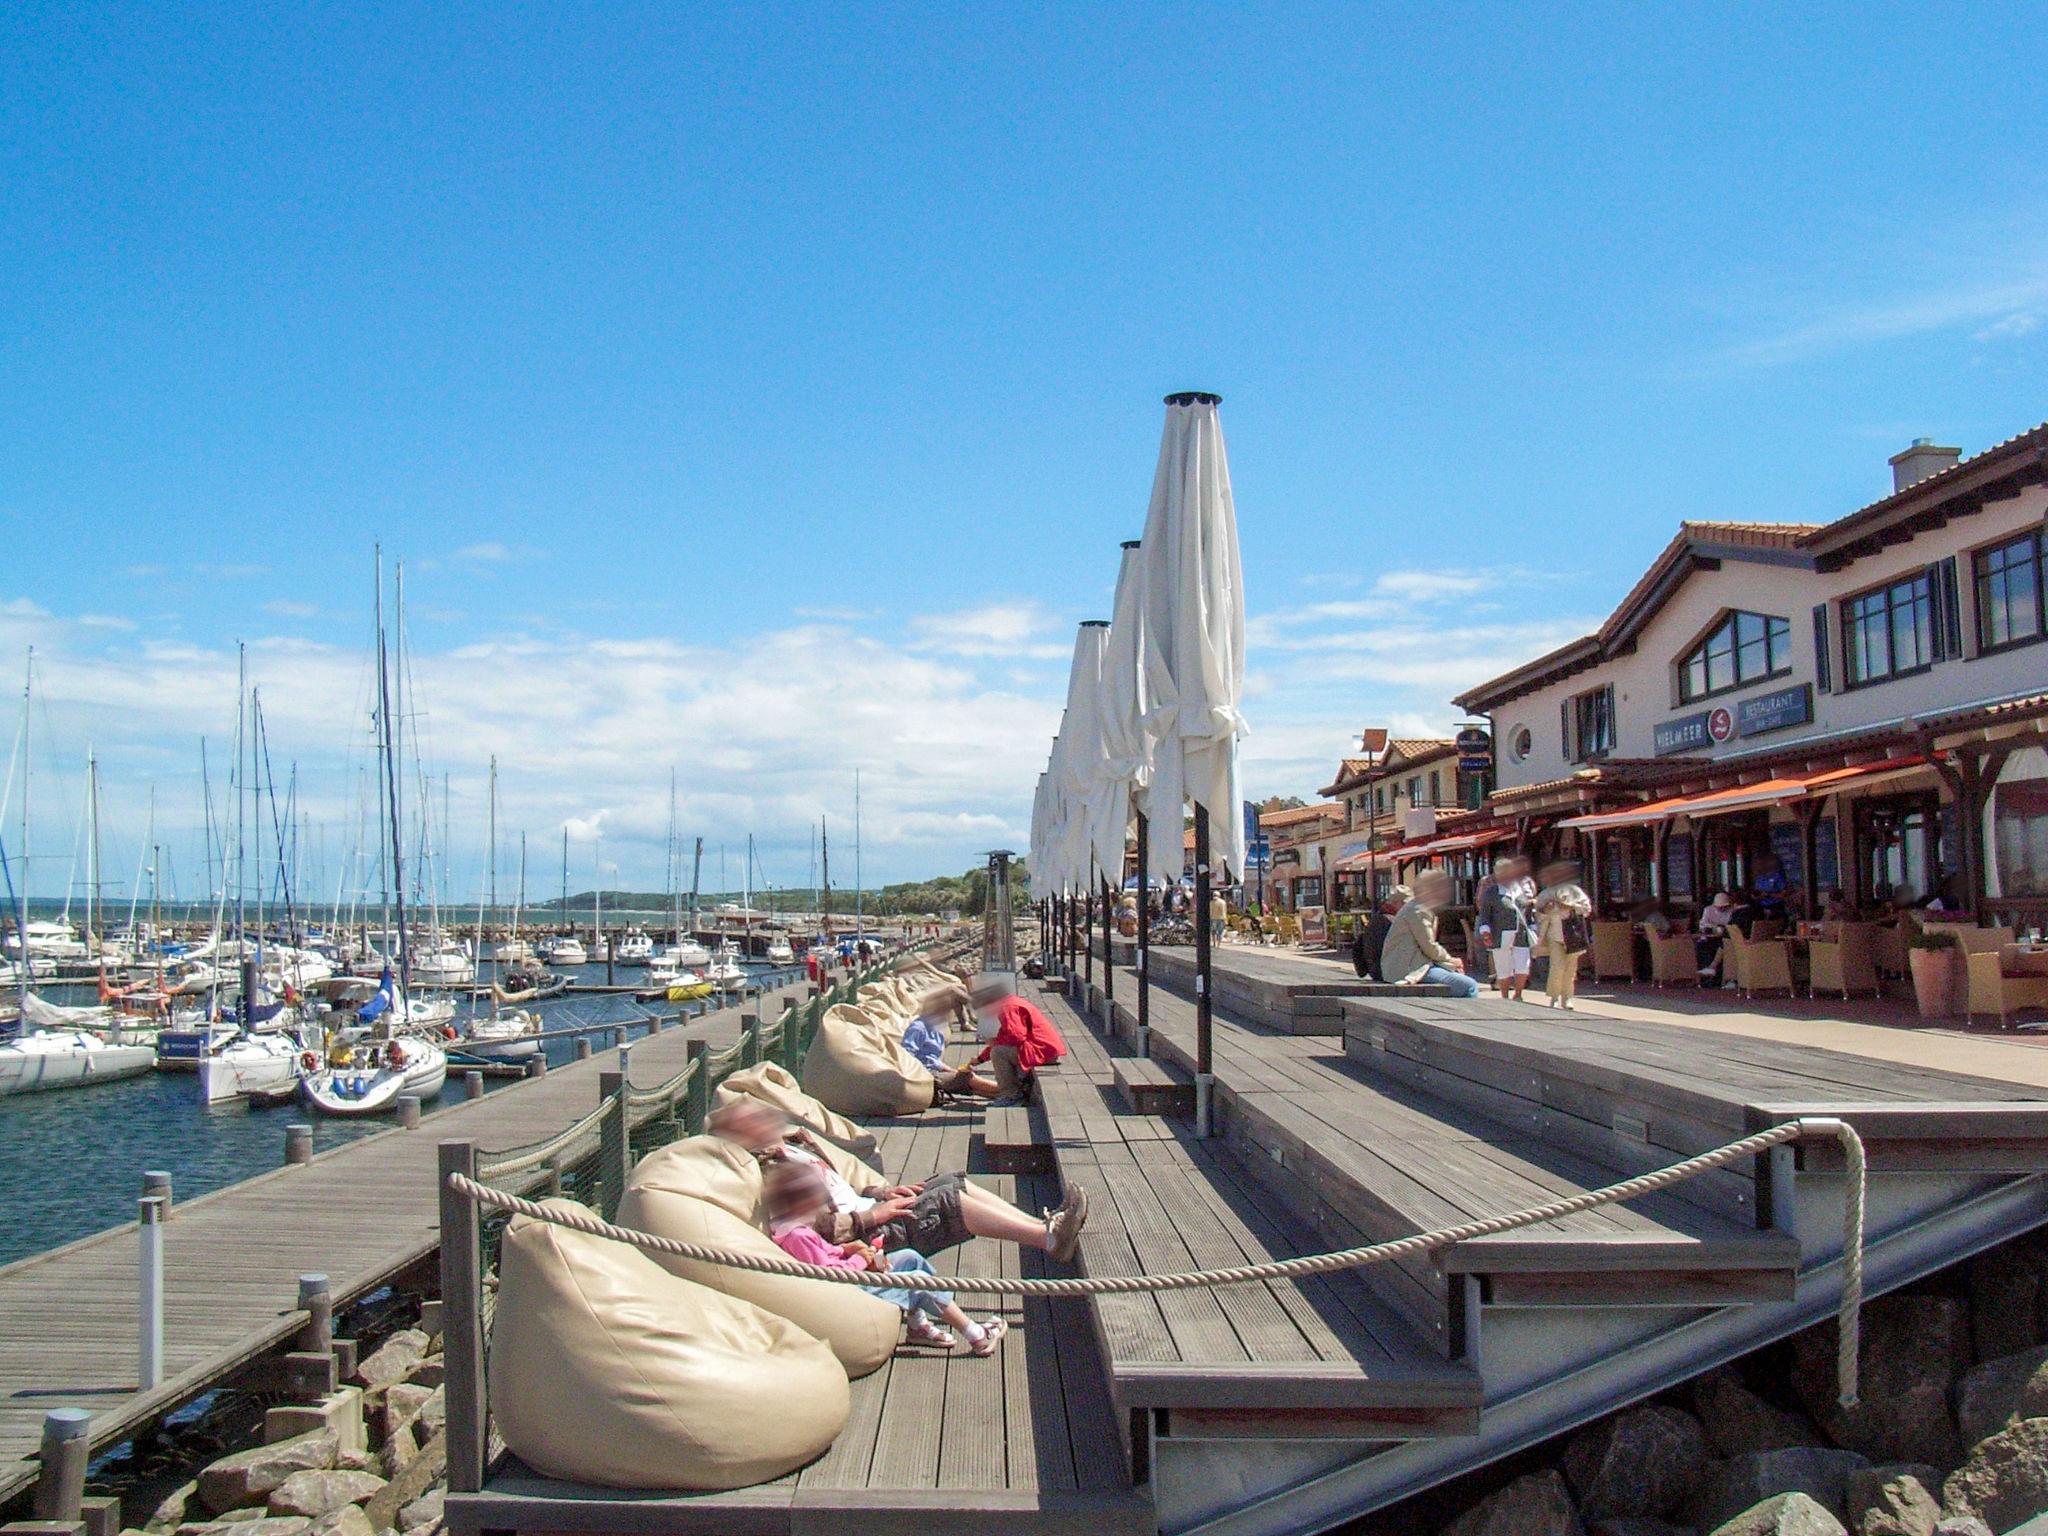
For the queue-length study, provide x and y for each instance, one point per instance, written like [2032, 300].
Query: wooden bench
[1151, 1088]
[1013, 1142]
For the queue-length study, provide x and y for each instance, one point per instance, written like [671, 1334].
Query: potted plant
[1932, 959]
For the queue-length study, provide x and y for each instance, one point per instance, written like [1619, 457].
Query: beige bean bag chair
[773, 1085]
[605, 1368]
[705, 1190]
[882, 1003]
[857, 1065]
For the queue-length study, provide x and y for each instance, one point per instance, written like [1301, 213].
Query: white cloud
[1011, 629]
[105, 621]
[284, 608]
[837, 615]
[2021, 323]
[489, 552]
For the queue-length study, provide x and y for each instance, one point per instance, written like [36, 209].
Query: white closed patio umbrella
[1193, 606]
[1084, 772]
[1126, 755]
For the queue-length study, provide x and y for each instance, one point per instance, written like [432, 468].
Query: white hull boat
[252, 1067]
[376, 1076]
[563, 951]
[447, 966]
[725, 972]
[780, 952]
[69, 1058]
[512, 1035]
[515, 951]
[636, 948]
[689, 955]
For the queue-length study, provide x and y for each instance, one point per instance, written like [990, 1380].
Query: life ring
[309, 1060]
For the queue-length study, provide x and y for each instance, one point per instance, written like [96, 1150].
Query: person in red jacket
[1020, 1038]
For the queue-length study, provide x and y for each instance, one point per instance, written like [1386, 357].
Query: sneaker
[922, 1330]
[992, 1331]
[1063, 1226]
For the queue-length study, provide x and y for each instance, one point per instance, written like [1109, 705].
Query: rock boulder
[1737, 1421]
[1789, 1514]
[394, 1359]
[247, 1477]
[2005, 1481]
[1646, 1461]
[314, 1494]
[1536, 1505]
[1989, 1394]
[1893, 1500]
[1743, 1482]
[1914, 1349]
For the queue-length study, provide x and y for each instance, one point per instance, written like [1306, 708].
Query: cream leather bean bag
[704, 1190]
[772, 1085]
[880, 1002]
[605, 1368]
[857, 1065]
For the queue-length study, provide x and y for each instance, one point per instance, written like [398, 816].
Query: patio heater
[998, 934]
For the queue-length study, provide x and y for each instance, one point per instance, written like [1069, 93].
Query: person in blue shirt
[925, 1038]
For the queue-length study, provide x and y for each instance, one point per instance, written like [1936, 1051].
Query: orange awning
[1743, 797]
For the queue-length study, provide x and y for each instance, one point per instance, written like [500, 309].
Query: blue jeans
[931, 1303]
[1460, 984]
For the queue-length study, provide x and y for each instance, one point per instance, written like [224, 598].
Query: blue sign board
[1258, 854]
[1775, 710]
[1251, 823]
[1687, 733]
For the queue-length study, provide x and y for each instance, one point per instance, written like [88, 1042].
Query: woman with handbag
[1563, 929]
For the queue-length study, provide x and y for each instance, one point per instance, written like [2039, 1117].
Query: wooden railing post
[750, 1039]
[697, 1103]
[462, 1328]
[615, 1141]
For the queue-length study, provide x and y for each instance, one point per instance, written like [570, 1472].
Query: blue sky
[765, 391]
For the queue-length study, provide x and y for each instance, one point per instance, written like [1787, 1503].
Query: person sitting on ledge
[1411, 954]
[929, 1216]
[925, 1038]
[797, 1198]
[1020, 1038]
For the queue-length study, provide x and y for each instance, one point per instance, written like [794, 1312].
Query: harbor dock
[361, 1214]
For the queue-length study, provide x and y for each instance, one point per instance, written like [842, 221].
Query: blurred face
[1556, 874]
[1433, 890]
[795, 1190]
[750, 1124]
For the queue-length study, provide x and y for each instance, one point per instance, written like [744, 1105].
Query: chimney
[1920, 460]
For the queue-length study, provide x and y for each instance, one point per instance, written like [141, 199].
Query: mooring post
[625, 1060]
[537, 1064]
[298, 1143]
[157, 1182]
[408, 1112]
[60, 1488]
[472, 1084]
[149, 1229]
[317, 1302]
[583, 1047]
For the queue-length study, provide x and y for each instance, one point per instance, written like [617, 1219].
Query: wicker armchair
[1846, 963]
[1991, 988]
[1614, 950]
[1674, 960]
[1759, 965]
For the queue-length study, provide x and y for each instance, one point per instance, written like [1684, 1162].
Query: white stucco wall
[1645, 681]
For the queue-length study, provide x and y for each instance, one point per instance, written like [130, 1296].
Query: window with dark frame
[1743, 648]
[1592, 724]
[1889, 631]
[2011, 606]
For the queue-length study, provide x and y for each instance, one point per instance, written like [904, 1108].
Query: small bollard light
[625, 1059]
[298, 1144]
[157, 1182]
[149, 1291]
[472, 1084]
[317, 1302]
[409, 1111]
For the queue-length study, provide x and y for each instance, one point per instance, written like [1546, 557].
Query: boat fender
[309, 1060]
[448, 1032]
[397, 1054]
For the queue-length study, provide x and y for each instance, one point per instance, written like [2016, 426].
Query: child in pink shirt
[797, 1197]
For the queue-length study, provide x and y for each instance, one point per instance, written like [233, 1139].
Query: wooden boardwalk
[360, 1214]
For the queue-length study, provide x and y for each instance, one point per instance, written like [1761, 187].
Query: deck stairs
[1425, 1112]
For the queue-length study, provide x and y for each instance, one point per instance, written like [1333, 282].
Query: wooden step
[1279, 1360]
[1015, 1142]
[1151, 1088]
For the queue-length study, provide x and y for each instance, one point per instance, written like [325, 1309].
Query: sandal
[922, 1330]
[992, 1331]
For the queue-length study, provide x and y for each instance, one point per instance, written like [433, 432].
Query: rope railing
[1849, 1314]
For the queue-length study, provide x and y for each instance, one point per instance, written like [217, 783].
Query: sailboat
[43, 1058]
[504, 1034]
[564, 948]
[391, 1049]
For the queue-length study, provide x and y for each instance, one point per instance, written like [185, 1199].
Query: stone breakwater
[371, 1457]
[1950, 1437]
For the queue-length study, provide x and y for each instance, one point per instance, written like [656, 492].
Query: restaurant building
[1861, 704]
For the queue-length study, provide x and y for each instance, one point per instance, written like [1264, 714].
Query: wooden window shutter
[1822, 672]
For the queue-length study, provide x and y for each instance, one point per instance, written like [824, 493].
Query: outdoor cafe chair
[1844, 964]
[1674, 960]
[1614, 950]
[1760, 965]
[1995, 985]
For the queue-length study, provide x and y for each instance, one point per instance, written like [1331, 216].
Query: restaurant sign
[1475, 750]
[1776, 710]
[1688, 733]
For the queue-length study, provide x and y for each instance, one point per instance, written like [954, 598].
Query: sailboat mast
[858, 892]
[675, 853]
[92, 852]
[490, 876]
[391, 731]
[696, 875]
[21, 886]
[565, 874]
[825, 863]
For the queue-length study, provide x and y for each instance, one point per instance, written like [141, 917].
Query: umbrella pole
[1087, 937]
[1108, 957]
[1205, 1082]
[1144, 936]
